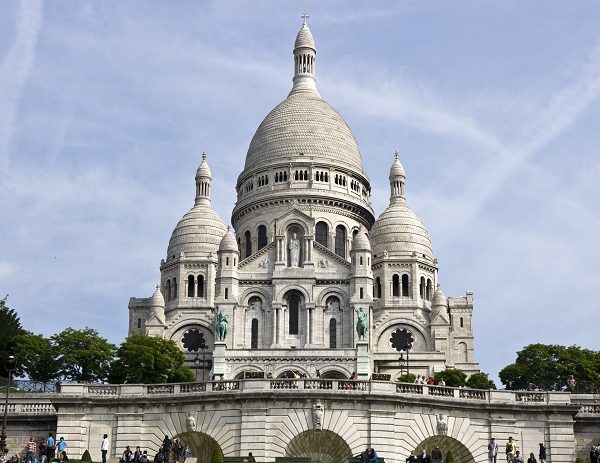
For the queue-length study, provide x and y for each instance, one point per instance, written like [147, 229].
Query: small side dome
[228, 243]
[304, 39]
[361, 242]
[439, 299]
[157, 299]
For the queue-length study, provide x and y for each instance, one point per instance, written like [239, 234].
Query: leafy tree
[10, 326]
[550, 364]
[37, 357]
[406, 378]
[452, 377]
[84, 356]
[480, 381]
[149, 360]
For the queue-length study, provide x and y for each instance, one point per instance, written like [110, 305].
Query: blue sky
[106, 107]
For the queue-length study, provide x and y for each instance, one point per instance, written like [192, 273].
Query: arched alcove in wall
[323, 446]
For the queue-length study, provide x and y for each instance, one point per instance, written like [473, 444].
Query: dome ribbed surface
[228, 243]
[199, 232]
[400, 232]
[304, 38]
[360, 242]
[304, 123]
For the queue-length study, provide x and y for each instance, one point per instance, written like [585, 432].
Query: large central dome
[304, 124]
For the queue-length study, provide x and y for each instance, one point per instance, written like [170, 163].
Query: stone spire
[397, 180]
[203, 180]
[304, 60]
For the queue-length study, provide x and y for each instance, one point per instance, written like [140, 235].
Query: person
[436, 455]
[511, 448]
[187, 453]
[127, 456]
[30, 455]
[517, 458]
[137, 454]
[492, 450]
[61, 446]
[294, 246]
[412, 458]
[542, 453]
[104, 447]
[50, 447]
[531, 458]
[42, 451]
[166, 448]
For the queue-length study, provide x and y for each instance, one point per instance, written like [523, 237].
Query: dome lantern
[304, 60]
[397, 180]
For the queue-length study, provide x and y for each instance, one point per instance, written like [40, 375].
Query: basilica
[308, 281]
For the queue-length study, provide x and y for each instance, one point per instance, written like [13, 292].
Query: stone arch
[203, 446]
[323, 446]
[447, 444]
[403, 321]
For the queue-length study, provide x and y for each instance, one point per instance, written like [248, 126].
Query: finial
[305, 16]
[203, 156]
[396, 154]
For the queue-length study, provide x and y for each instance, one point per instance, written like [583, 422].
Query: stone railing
[326, 386]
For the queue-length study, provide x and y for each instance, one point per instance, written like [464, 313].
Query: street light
[10, 366]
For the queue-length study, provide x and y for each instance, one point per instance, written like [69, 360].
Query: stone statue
[191, 422]
[294, 247]
[442, 424]
[318, 415]
[221, 325]
[362, 324]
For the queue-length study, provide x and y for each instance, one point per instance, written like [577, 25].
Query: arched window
[174, 288]
[340, 241]
[262, 236]
[191, 286]
[248, 243]
[377, 287]
[322, 233]
[395, 286]
[201, 286]
[293, 313]
[332, 333]
[168, 290]
[422, 288]
[254, 334]
[405, 287]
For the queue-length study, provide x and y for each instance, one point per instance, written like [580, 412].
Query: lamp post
[196, 365]
[203, 349]
[10, 366]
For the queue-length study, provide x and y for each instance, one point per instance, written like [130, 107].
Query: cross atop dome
[305, 16]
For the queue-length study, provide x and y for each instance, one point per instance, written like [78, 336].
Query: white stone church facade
[307, 254]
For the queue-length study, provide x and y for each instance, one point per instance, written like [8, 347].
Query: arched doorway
[203, 447]
[323, 446]
[447, 445]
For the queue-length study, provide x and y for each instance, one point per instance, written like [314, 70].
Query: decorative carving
[323, 263]
[442, 424]
[318, 410]
[191, 422]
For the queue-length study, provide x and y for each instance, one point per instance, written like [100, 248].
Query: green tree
[145, 359]
[549, 364]
[37, 357]
[84, 356]
[452, 377]
[480, 381]
[10, 326]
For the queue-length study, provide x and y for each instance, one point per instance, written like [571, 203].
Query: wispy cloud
[15, 70]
